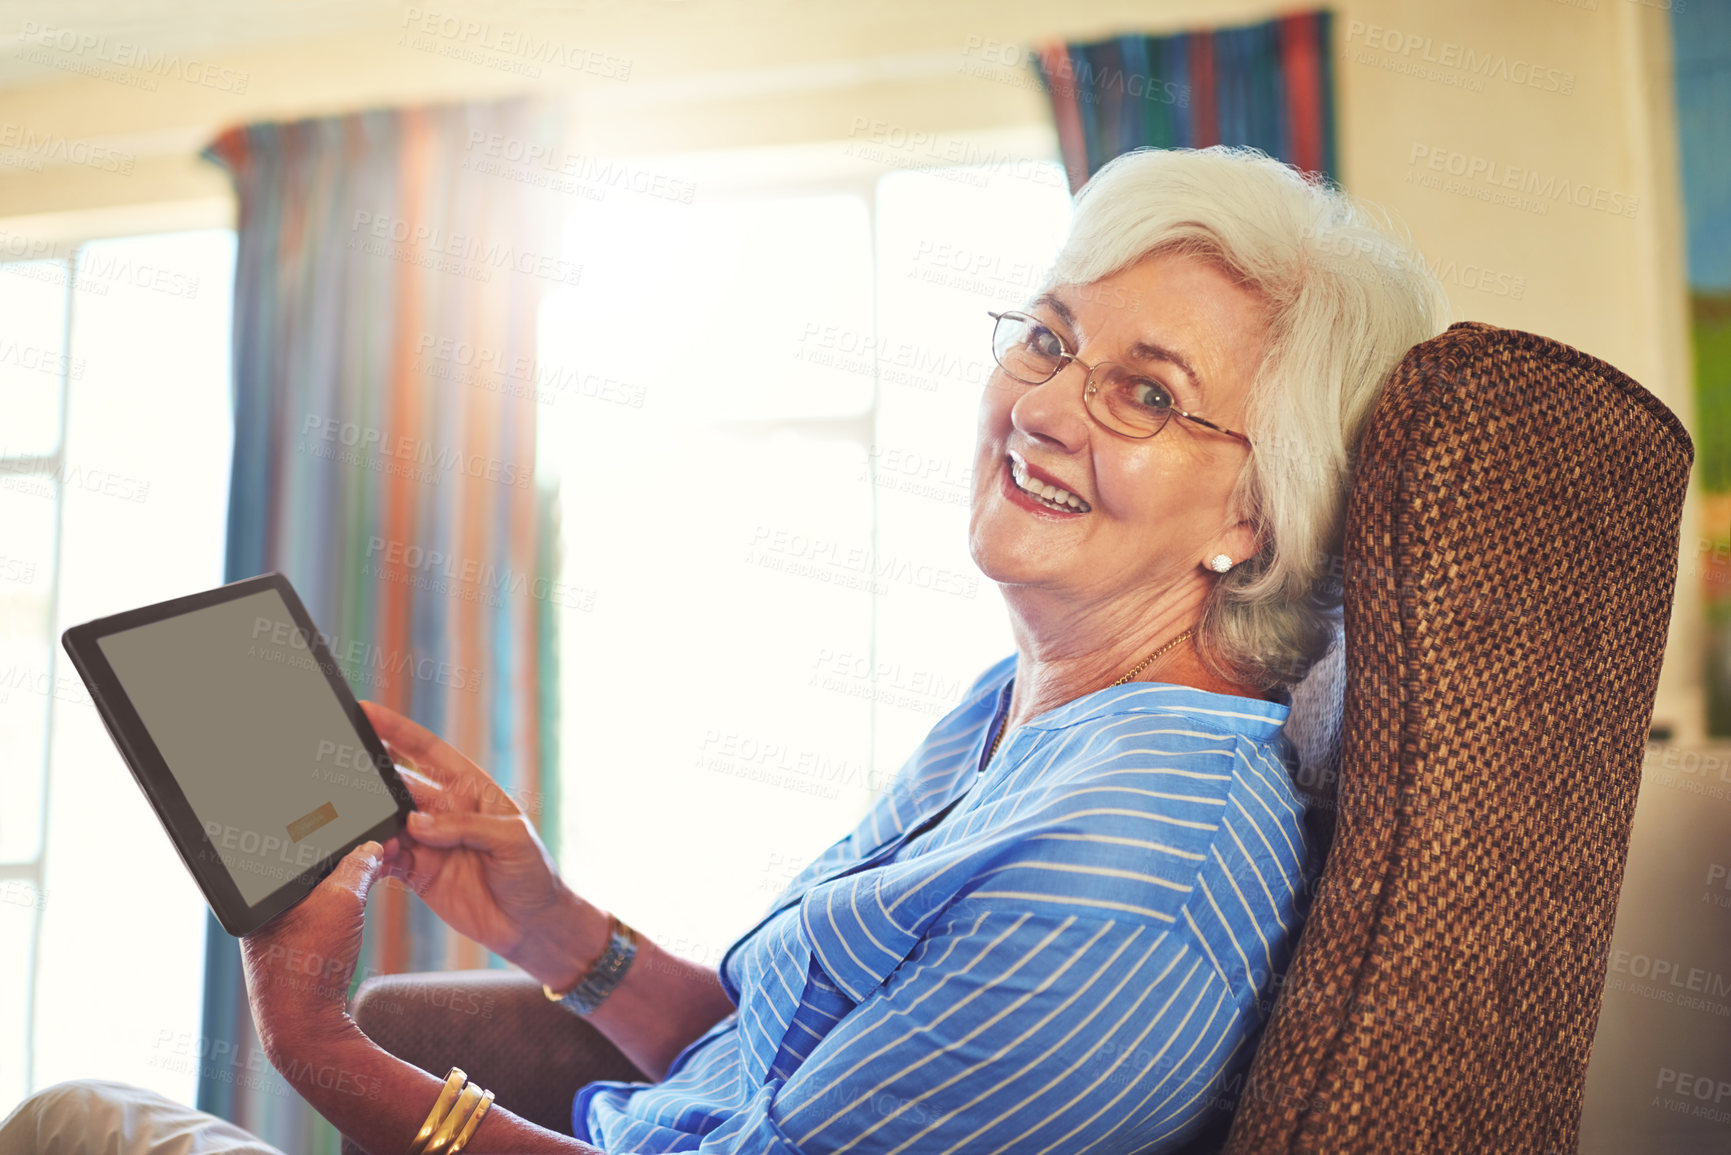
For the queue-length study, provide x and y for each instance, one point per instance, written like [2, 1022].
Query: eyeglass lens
[1033, 354]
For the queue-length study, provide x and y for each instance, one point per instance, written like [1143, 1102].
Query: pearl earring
[1219, 563]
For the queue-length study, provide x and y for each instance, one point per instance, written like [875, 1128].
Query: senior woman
[1057, 929]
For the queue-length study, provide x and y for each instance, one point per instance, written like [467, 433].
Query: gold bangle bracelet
[454, 1081]
[474, 1122]
[452, 1123]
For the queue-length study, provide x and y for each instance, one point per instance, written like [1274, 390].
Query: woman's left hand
[299, 964]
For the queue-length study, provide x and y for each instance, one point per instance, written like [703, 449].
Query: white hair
[1346, 296]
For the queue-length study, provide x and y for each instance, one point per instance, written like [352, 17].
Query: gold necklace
[1140, 666]
[1144, 664]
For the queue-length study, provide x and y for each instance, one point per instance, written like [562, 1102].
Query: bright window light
[769, 503]
[148, 441]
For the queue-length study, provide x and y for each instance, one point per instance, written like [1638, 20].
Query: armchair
[1473, 748]
[1511, 552]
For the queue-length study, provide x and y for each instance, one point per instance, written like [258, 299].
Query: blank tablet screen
[254, 735]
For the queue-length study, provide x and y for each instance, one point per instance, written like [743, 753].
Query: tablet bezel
[150, 770]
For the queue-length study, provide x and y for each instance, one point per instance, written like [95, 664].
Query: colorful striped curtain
[1266, 85]
[386, 294]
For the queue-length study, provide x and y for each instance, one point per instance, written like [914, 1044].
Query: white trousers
[96, 1117]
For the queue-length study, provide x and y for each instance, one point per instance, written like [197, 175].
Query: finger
[399, 856]
[428, 752]
[404, 733]
[422, 789]
[486, 832]
[478, 790]
[401, 865]
[359, 869]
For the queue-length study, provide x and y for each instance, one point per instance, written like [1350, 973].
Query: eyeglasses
[1123, 402]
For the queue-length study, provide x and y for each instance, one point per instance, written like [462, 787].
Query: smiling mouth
[1050, 496]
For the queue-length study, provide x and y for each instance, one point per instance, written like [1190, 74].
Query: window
[760, 408]
[114, 458]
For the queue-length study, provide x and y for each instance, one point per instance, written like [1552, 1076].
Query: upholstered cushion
[1511, 551]
[1313, 725]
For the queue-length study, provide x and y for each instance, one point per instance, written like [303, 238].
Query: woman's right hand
[472, 854]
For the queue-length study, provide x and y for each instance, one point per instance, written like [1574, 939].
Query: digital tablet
[245, 738]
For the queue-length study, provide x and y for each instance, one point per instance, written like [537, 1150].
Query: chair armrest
[498, 1026]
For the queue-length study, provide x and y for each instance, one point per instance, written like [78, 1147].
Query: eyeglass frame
[1089, 388]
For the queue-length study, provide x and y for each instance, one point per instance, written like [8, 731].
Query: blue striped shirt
[1063, 951]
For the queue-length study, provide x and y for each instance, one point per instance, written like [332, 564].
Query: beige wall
[1610, 283]
[1660, 1079]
